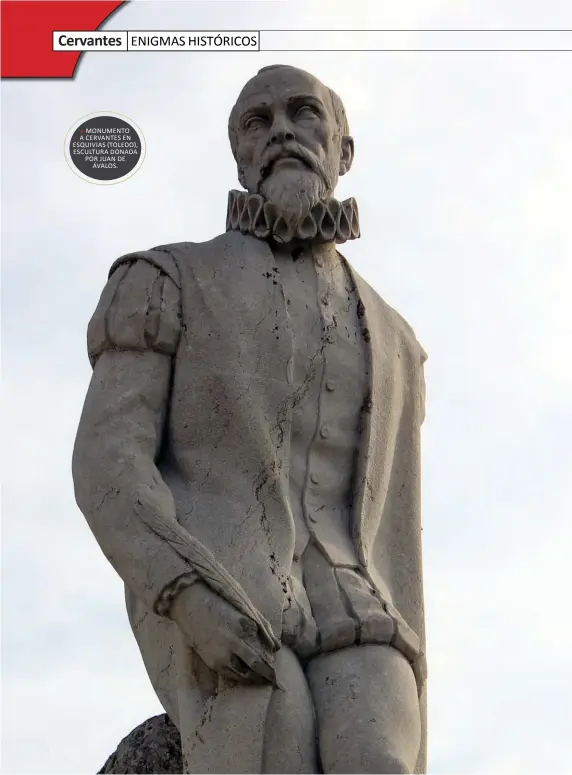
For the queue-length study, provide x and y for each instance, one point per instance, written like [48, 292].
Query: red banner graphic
[26, 34]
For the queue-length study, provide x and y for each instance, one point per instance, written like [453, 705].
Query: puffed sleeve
[139, 309]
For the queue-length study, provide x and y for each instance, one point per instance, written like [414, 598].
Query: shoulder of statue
[235, 240]
[407, 332]
[172, 257]
[389, 316]
[162, 257]
[140, 306]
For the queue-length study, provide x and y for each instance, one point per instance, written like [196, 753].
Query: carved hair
[337, 105]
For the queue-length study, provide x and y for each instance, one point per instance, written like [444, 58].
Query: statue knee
[290, 732]
[371, 757]
[367, 710]
[388, 763]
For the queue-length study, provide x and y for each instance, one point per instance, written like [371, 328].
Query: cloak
[225, 460]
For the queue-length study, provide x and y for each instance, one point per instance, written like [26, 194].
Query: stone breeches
[330, 608]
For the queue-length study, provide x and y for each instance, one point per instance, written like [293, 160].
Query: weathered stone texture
[152, 747]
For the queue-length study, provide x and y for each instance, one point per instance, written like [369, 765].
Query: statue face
[287, 135]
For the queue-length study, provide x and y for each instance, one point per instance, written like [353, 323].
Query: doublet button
[324, 432]
[315, 478]
[330, 385]
[319, 261]
[325, 300]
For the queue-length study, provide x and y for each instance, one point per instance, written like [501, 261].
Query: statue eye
[254, 122]
[306, 111]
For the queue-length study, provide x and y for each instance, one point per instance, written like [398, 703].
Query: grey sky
[463, 175]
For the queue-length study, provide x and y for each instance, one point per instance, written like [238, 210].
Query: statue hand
[225, 639]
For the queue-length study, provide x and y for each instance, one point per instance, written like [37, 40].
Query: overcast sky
[463, 175]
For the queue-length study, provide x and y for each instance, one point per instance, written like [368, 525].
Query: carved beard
[295, 193]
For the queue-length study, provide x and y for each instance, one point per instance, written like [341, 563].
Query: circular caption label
[105, 148]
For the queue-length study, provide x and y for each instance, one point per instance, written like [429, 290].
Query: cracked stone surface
[248, 460]
[152, 747]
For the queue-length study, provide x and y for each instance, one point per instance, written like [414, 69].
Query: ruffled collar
[330, 220]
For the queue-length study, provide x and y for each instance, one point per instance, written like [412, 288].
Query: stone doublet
[330, 220]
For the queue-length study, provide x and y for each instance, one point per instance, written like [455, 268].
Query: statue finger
[258, 663]
[251, 631]
[248, 627]
[238, 671]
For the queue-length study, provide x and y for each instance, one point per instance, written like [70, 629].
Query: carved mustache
[291, 151]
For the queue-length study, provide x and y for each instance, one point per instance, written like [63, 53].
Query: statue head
[290, 137]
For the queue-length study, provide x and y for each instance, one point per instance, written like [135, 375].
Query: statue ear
[346, 154]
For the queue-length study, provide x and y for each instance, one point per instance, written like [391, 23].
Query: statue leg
[290, 731]
[367, 710]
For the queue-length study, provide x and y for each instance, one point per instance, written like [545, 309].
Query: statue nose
[280, 133]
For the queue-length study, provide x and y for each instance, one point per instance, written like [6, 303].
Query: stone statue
[248, 461]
